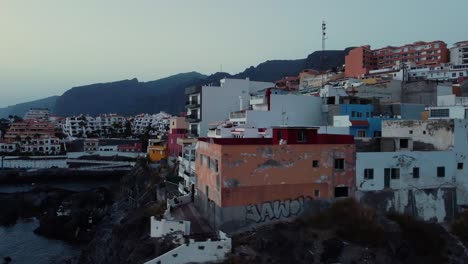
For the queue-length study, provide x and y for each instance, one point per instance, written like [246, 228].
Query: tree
[128, 129]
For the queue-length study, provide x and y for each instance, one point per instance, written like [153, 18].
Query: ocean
[21, 244]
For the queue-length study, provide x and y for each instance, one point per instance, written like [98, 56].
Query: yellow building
[157, 153]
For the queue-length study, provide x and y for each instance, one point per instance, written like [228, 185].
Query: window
[377, 134]
[359, 114]
[460, 165]
[460, 74]
[454, 74]
[440, 112]
[341, 191]
[317, 193]
[315, 163]
[339, 164]
[279, 134]
[404, 143]
[301, 137]
[367, 114]
[215, 164]
[368, 174]
[208, 163]
[395, 173]
[415, 172]
[440, 171]
[353, 113]
[361, 133]
[411, 131]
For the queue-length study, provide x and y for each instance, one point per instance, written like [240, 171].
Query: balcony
[192, 104]
[192, 90]
[237, 115]
[192, 118]
[258, 100]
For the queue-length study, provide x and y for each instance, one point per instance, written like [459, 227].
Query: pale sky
[49, 46]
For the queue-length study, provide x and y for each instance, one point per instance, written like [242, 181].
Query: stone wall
[436, 204]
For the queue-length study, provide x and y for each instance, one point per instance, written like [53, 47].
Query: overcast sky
[49, 46]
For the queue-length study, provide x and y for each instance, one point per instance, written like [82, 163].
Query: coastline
[15, 176]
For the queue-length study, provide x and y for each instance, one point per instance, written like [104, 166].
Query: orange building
[32, 129]
[241, 182]
[362, 59]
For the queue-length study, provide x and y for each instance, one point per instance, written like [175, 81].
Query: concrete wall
[420, 92]
[218, 102]
[197, 252]
[253, 174]
[291, 110]
[165, 227]
[436, 204]
[387, 93]
[426, 161]
[429, 134]
[34, 163]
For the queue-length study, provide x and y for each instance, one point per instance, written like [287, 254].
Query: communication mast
[324, 37]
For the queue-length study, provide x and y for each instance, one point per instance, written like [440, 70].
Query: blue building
[363, 122]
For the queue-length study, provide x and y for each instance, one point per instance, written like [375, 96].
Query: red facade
[174, 149]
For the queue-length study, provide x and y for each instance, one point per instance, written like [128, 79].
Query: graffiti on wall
[276, 210]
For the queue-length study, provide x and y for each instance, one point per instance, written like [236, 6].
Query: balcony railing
[238, 114]
[192, 104]
[192, 90]
[192, 118]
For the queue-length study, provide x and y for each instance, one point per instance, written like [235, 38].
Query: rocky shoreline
[14, 176]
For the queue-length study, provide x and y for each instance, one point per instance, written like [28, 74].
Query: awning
[360, 122]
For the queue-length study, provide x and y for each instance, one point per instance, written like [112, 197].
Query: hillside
[127, 97]
[21, 109]
[130, 97]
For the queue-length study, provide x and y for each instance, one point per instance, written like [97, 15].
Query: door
[387, 178]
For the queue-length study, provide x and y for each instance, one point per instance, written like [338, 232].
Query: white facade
[285, 110]
[187, 168]
[50, 146]
[84, 125]
[192, 251]
[164, 227]
[459, 53]
[37, 114]
[442, 163]
[216, 102]
[7, 147]
[158, 122]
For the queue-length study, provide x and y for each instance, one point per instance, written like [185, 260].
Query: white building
[48, 146]
[449, 106]
[85, 125]
[208, 104]
[41, 114]
[157, 122]
[459, 53]
[417, 155]
[6, 147]
[187, 168]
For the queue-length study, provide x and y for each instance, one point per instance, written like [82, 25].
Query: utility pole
[324, 37]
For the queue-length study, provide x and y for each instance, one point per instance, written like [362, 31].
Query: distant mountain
[21, 109]
[130, 97]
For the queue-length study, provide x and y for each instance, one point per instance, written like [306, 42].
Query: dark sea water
[23, 246]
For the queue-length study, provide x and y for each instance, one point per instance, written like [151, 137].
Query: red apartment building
[178, 129]
[33, 129]
[361, 60]
[248, 181]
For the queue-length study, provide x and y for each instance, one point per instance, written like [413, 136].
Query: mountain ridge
[130, 96]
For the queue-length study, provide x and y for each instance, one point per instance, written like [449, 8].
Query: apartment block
[361, 60]
[249, 181]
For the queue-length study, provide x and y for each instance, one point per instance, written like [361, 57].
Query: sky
[49, 46]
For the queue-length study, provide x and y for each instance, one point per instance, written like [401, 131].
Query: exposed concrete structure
[244, 182]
